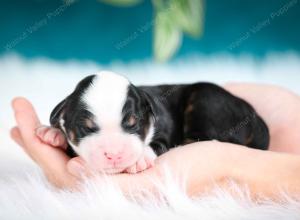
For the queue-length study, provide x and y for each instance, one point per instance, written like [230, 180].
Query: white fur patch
[106, 98]
[151, 132]
[62, 124]
[102, 199]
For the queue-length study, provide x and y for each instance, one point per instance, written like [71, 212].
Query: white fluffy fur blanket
[24, 193]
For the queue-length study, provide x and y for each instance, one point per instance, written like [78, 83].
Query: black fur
[203, 111]
[74, 113]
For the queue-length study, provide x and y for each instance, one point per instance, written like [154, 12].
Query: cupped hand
[57, 166]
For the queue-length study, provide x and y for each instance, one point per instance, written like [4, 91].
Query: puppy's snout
[113, 151]
[114, 157]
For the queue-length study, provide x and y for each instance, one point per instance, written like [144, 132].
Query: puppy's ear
[150, 105]
[57, 113]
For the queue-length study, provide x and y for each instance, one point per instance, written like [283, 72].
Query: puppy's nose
[112, 156]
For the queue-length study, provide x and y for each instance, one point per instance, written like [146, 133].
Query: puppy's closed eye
[90, 125]
[130, 122]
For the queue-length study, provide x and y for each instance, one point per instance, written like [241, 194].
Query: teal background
[90, 30]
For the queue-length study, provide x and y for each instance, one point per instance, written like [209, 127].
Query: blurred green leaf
[189, 15]
[159, 4]
[167, 35]
[172, 17]
[123, 3]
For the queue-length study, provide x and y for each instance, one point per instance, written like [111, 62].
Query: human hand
[56, 165]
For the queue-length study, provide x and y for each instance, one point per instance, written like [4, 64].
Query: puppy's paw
[51, 136]
[144, 162]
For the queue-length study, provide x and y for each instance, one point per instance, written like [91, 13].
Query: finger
[26, 118]
[27, 121]
[141, 165]
[149, 162]
[52, 136]
[78, 168]
[142, 180]
[52, 160]
[16, 136]
[41, 131]
[132, 169]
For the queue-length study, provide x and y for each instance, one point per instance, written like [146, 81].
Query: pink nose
[113, 157]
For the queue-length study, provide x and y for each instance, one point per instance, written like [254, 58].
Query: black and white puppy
[115, 126]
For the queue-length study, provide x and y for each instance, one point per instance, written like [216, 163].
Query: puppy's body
[115, 125]
[203, 111]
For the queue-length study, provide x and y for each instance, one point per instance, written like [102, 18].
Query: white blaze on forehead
[106, 97]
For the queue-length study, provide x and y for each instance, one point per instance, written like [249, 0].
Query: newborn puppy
[115, 126]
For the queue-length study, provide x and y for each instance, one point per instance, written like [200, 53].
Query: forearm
[267, 173]
[201, 165]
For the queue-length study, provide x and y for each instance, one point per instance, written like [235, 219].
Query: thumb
[78, 168]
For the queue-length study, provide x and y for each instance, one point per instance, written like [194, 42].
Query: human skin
[205, 163]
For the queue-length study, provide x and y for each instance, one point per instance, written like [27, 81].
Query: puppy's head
[107, 121]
